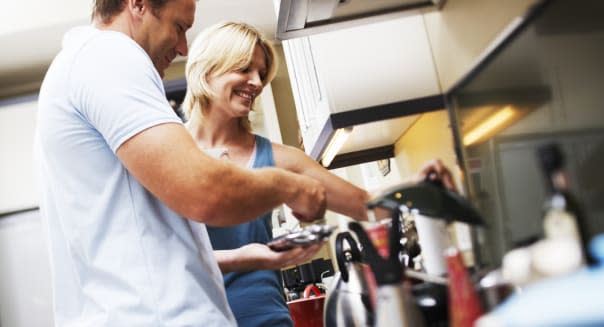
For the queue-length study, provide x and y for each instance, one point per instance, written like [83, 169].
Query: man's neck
[119, 23]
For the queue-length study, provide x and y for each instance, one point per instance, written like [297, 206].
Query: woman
[229, 64]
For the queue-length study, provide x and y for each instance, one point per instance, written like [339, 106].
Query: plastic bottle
[464, 304]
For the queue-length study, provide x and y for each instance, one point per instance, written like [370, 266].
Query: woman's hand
[436, 170]
[259, 256]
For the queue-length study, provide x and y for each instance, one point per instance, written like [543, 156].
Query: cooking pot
[308, 311]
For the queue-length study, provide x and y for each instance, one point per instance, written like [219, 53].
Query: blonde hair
[221, 48]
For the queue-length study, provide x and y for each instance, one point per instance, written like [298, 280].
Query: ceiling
[31, 34]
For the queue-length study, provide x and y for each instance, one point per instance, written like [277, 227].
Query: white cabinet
[308, 88]
[361, 75]
[375, 64]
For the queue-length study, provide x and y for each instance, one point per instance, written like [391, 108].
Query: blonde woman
[228, 66]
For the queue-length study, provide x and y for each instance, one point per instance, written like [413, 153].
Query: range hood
[304, 17]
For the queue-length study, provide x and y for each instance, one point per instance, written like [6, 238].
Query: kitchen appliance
[351, 296]
[394, 305]
[432, 207]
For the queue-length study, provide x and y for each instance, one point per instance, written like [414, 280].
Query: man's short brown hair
[107, 9]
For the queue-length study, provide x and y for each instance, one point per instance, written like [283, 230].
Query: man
[118, 171]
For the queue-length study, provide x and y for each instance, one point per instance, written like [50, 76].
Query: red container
[308, 311]
[379, 235]
[464, 304]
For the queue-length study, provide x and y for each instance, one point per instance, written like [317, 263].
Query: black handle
[431, 178]
[340, 253]
[386, 271]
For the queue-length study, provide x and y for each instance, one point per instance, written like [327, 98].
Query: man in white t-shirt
[118, 171]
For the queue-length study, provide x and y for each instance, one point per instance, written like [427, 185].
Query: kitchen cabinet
[461, 32]
[371, 80]
[305, 17]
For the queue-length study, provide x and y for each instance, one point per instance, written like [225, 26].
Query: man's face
[164, 32]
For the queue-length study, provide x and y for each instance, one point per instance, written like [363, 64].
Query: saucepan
[308, 311]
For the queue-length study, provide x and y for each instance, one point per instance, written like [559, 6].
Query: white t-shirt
[119, 256]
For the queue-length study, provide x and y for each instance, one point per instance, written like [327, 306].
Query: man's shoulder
[105, 55]
[110, 45]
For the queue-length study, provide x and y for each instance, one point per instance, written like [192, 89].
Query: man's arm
[166, 160]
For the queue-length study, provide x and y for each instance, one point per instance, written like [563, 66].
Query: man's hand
[310, 201]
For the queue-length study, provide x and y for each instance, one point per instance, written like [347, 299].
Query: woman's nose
[255, 80]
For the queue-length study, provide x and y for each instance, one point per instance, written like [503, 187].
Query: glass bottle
[563, 219]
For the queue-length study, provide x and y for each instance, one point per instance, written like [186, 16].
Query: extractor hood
[304, 17]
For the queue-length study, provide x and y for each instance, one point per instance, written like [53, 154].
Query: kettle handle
[340, 256]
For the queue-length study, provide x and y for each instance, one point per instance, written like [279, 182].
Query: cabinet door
[575, 81]
[376, 64]
[309, 93]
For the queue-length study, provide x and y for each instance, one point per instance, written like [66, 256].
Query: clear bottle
[563, 220]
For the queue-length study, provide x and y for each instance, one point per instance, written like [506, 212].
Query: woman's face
[236, 90]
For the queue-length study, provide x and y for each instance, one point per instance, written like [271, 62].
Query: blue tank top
[256, 297]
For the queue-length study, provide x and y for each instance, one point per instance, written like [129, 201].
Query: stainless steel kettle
[395, 305]
[349, 299]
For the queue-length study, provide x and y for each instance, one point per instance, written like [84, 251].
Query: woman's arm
[256, 256]
[342, 196]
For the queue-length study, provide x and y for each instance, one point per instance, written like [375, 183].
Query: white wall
[25, 292]
[17, 125]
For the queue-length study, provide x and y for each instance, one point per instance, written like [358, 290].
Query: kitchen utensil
[308, 311]
[304, 237]
[351, 297]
